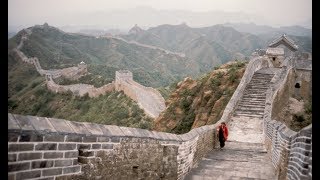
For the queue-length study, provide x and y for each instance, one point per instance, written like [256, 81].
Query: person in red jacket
[222, 134]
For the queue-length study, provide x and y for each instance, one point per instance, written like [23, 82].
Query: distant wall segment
[40, 147]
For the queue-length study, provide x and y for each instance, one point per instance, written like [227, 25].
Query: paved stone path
[244, 155]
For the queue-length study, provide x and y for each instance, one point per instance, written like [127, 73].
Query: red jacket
[225, 132]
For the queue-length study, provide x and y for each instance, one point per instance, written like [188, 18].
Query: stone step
[247, 115]
[252, 98]
[250, 108]
[253, 111]
[251, 105]
[257, 87]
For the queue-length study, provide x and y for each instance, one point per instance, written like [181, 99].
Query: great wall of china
[148, 99]
[260, 147]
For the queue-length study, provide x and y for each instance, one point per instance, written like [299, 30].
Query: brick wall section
[49, 148]
[290, 152]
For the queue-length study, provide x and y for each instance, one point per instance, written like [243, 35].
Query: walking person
[222, 134]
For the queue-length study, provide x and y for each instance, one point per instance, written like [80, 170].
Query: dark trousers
[222, 144]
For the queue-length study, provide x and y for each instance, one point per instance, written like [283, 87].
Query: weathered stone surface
[93, 128]
[29, 156]
[18, 166]
[63, 162]
[20, 147]
[46, 146]
[51, 172]
[89, 138]
[13, 136]
[41, 164]
[60, 125]
[71, 154]
[73, 169]
[12, 157]
[67, 146]
[74, 138]
[30, 136]
[41, 124]
[78, 128]
[52, 155]
[53, 137]
[24, 122]
[28, 174]
[12, 123]
[115, 130]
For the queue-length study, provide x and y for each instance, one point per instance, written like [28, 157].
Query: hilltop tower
[122, 75]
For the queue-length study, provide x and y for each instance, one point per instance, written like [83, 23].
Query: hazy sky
[37, 11]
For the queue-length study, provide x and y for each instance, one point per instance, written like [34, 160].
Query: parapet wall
[50, 148]
[290, 151]
[80, 89]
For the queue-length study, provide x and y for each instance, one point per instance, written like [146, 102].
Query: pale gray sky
[57, 12]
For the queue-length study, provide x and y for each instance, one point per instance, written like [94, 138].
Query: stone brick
[12, 157]
[71, 154]
[73, 138]
[54, 137]
[52, 155]
[11, 176]
[85, 160]
[30, 137]
[51, 172]
[59, 163]
[103, 139]
[75, 161]
[46, 146]
[29, 156]
[20, 147]
[18, 166]
[115, 139]
[46, 178]
[107, 146]
[67, 146]
[42, 164]
[89, 139]
[13, 136]
[86, 153]
[83, 146]
[28, 174]
[96, 146]
[73, 169]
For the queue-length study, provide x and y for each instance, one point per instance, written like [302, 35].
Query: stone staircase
[244, 155]
[252, 103]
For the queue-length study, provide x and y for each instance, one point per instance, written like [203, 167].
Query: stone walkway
[244, 155]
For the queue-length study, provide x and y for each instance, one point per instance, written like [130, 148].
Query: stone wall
[290, 151]
[80, 89]
[49, 148]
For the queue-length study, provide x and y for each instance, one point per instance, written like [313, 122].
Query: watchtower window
[297, 85]
[273, 58]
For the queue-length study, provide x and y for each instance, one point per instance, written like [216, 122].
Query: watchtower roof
[285, 40]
